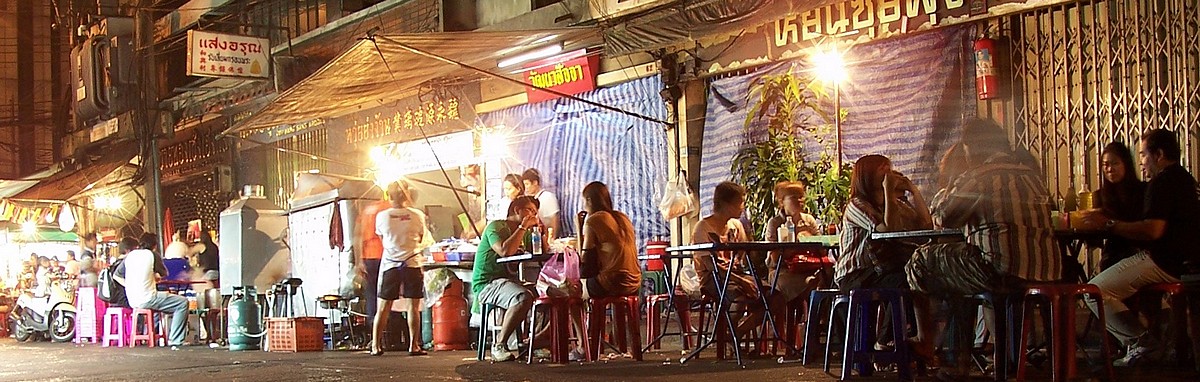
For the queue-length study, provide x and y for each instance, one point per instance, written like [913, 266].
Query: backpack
[108, 289]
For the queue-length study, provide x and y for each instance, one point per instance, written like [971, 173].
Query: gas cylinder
[450, 318]
[245, 320]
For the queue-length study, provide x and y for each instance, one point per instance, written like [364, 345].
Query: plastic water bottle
[536, 241]
[791, 228]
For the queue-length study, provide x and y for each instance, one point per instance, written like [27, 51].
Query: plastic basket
[295, 334]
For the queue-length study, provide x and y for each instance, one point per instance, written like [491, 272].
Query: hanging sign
[226, 55]
[403, 158]
[571, 73]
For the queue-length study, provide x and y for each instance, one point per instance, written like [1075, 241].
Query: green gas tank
[245, 320]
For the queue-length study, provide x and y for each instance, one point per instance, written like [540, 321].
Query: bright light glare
[494, 143]
[531, 55]
[107, 202]
[376, 154]
[830, 66]
[29, 227]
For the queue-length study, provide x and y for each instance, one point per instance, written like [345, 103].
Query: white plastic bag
[678, 199]
[689, 281]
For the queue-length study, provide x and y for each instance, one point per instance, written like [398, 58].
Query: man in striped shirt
[1004, 208]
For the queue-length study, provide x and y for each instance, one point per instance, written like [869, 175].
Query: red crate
[295, 334]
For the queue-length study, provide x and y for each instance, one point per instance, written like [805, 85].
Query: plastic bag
[560, 275]
[678, 199]
[436, 281]
[689, 281]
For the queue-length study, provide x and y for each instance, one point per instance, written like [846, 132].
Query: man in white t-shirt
[138, 274]
[548, 201]
[402, 232]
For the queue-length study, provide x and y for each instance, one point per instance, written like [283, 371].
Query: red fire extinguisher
[985, 68]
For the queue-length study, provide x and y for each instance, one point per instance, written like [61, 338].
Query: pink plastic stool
[145, 333]
[116, 324]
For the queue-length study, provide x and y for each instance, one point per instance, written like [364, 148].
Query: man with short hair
[1169, 226]
[548, 202]
[402, 233]
[492, 283]
[88, 273]
[137, 274]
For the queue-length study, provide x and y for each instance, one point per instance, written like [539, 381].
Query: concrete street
[44, 361]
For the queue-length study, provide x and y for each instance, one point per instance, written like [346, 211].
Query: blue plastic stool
[860, 333]
[484, 328]
[812, 334]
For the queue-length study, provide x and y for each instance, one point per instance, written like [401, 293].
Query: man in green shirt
[492, 283]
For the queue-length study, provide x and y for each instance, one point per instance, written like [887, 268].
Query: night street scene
[600, 190]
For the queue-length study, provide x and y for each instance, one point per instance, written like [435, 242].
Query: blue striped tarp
[905, 99]
[572, 143]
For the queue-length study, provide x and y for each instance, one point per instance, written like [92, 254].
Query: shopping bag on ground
[560, 275]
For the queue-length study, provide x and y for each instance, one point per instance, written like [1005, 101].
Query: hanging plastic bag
[436, 281]
[689, 281]
[560, 275]
[678, 199]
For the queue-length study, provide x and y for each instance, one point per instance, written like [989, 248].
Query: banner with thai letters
[227, 55]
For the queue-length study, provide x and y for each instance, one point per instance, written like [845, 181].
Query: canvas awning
[359, 77]
[68, 184]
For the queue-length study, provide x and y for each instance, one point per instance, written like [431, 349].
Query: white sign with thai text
[104, 129]
[226, 55]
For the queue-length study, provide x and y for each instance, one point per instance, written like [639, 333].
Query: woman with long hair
[883, 200]
[609, 246]
[1120, 197]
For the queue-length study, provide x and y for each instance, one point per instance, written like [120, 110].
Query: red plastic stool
[654, 320]
[625, 317]
[1060, 299]
[557, 309]
[1177, 329]
[116, 326]
[145, 333]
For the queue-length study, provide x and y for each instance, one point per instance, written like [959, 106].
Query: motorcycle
[51, 315]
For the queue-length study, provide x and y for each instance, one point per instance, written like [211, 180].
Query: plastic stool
[144, 333]
[1005, 337]
[1177, 328]
[116, 326]
[860, 333]
[1060, 299]
[88, 317]
[625, 317]
[654, 320]
[484, 328]
[839, 301]
[812, 332]
[557, 309]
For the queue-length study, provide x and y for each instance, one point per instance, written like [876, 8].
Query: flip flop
[418, 353]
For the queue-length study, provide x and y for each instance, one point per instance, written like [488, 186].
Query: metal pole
[837, 119]
[147, 121]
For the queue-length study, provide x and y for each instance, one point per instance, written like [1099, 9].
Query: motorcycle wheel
[21, 335]
[62, 326]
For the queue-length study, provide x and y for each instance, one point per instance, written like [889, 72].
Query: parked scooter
[51, 315]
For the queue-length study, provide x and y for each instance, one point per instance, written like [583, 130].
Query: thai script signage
[848, 22]
[277, 133]
[572, 73]
[411, 118]
[225, 55]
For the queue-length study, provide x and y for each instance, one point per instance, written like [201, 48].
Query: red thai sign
[571, 73]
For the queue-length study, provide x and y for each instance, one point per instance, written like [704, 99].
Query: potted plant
[788, 103]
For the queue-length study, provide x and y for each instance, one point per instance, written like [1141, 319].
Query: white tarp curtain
[358, 78]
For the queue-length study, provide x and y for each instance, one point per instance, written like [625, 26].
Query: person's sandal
[418, 353]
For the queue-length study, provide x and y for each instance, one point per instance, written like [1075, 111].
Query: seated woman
[1120, 197]
[792, 281]
[729, 199]
[882, 200]
[609, 259]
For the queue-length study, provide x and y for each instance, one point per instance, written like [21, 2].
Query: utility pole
[146, 118]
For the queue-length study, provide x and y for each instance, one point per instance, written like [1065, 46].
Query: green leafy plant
[788, 104]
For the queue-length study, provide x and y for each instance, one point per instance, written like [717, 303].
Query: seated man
[492, 283]
[1004, 208]
[1171, 221]
[138, 274]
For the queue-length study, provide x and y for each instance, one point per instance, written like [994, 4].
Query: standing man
[402, 232]
[137, 273]
[1170, 224]
[88, 274]
[548, 209]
